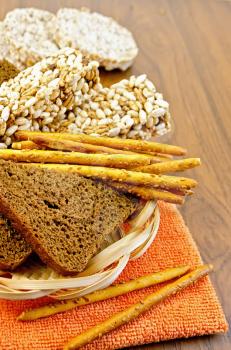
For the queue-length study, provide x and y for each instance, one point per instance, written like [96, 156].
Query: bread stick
[170, 166]
[103, 294]
[45, 156]
[148, 193]
[26, 145]
[125, 176]
[124, 144]
[135, 310]
[68, 145]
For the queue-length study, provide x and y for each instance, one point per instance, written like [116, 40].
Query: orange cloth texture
[194, 311]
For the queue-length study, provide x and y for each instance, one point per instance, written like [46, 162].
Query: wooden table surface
[185, 48]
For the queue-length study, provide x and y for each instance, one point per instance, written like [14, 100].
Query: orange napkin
[194, 311]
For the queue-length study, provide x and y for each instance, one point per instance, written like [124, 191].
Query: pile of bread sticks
[131, 166]
[184, 276]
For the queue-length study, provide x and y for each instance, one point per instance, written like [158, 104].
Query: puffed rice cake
[39, 97]
[29, 33]
[101, 37]
[128, 109]
[4, 48]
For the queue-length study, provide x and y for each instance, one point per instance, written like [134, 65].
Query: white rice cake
[101, 37]
[30, 35]
[4, 48]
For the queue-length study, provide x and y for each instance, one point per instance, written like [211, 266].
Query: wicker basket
[34, 280]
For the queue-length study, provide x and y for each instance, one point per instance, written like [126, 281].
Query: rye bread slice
[14, 250]
[64, 217]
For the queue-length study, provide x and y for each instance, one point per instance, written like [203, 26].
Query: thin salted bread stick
[148, 193]
[45, 156]
[42, 141]
[170, 166]
[25, 145]
[122, 175]
[124, 144]
[135, 310]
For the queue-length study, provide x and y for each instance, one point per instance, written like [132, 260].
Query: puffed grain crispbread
[4, 48]
[30, 35]
[131, 108]
[101, 37]
[39, 97]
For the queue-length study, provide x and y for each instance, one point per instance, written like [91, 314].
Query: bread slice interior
[14, 249]
[63, 216]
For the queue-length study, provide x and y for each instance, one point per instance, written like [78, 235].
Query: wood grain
[185, 48]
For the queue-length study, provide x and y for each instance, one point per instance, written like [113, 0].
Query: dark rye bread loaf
[14, 250]
[63, 216]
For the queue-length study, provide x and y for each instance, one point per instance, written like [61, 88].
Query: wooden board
[185, 48]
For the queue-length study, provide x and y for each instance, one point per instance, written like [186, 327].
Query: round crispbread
[29, 33]
[4, 47]
[101, 37]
